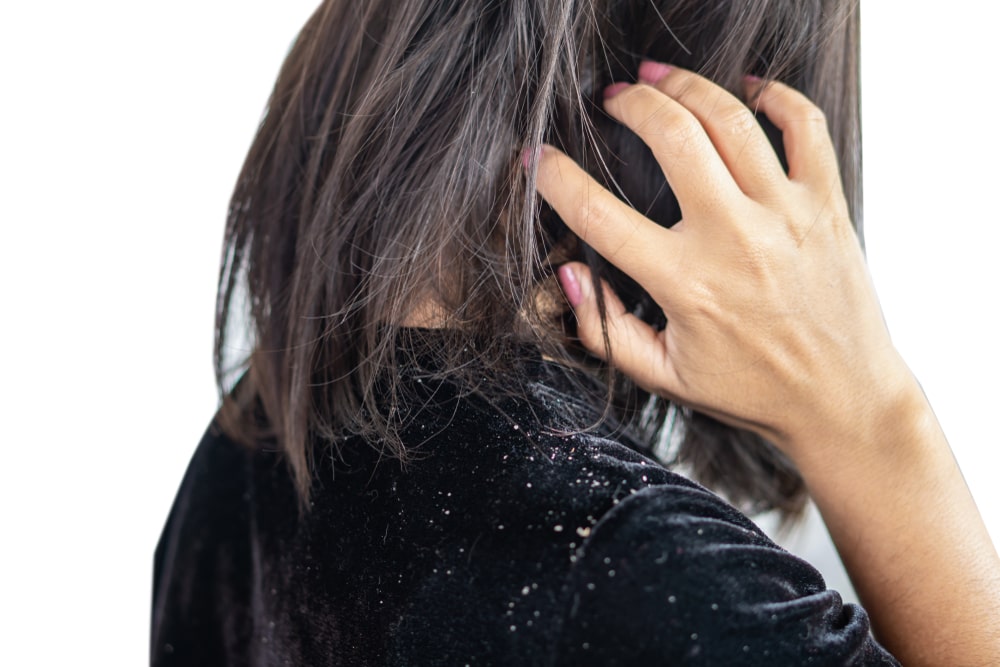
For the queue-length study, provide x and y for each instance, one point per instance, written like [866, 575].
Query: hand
[773, 325]
[772, 321]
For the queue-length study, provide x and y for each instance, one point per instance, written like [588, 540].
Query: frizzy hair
[386, 175]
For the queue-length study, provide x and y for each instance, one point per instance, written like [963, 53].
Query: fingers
[704, 137]
[637, 349]
[694, 169]
[614, 229]
[808, 147]
[729, 123]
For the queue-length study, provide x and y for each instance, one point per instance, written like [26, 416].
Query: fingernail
[652, 72]
[570, 285]
[614, 89]
[750, 78]
[528, 155]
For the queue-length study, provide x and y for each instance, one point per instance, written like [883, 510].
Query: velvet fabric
[506, 541]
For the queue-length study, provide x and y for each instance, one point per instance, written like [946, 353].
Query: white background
[122, 128]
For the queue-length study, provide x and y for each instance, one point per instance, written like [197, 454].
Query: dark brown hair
[386, 176]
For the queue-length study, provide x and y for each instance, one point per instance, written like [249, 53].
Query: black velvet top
[505, 542]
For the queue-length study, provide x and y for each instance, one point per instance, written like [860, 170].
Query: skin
[774, 326]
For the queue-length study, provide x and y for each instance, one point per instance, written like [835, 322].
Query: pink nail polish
[750, 78]
[651, 72]
[570, 285]
[528, 155]
[614, 89]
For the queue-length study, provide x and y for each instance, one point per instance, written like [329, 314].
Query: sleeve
[674, 575]
[202, 565]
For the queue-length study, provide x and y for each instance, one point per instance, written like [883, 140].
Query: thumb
[633, 346]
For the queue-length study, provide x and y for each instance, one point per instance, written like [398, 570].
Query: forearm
[912, 539]
[773, 325]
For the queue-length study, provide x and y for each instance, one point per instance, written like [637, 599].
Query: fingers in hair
[729, 123]
[808, 146]
[693, 167]
[614, 229]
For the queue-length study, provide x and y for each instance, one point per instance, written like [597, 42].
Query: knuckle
[674, 129]
[683, 128]
[640, 104]
[796, 105]
[663, 122]
[687, 87]
[815, 116]
[738, 120]
[809, 114]
[679, 82]
[593, 212]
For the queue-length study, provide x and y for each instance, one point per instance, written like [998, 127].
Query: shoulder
[203, 557]
[642, 565]
[674, 573]
[213, 491]
[515, 467]
[492, 514]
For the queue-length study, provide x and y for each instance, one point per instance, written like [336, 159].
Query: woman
[447, 444]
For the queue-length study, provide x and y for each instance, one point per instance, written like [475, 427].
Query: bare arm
[774, 326]
[912, 539]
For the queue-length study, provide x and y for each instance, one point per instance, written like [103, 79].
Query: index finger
[626, 238]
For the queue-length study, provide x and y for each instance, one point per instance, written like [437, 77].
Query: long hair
[384, 186]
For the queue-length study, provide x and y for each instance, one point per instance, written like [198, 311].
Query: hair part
[386, 174]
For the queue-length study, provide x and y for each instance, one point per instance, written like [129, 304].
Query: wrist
[908, 532]
[886, 424]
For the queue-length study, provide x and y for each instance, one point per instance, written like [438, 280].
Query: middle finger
[729, 123]
[695, 171]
